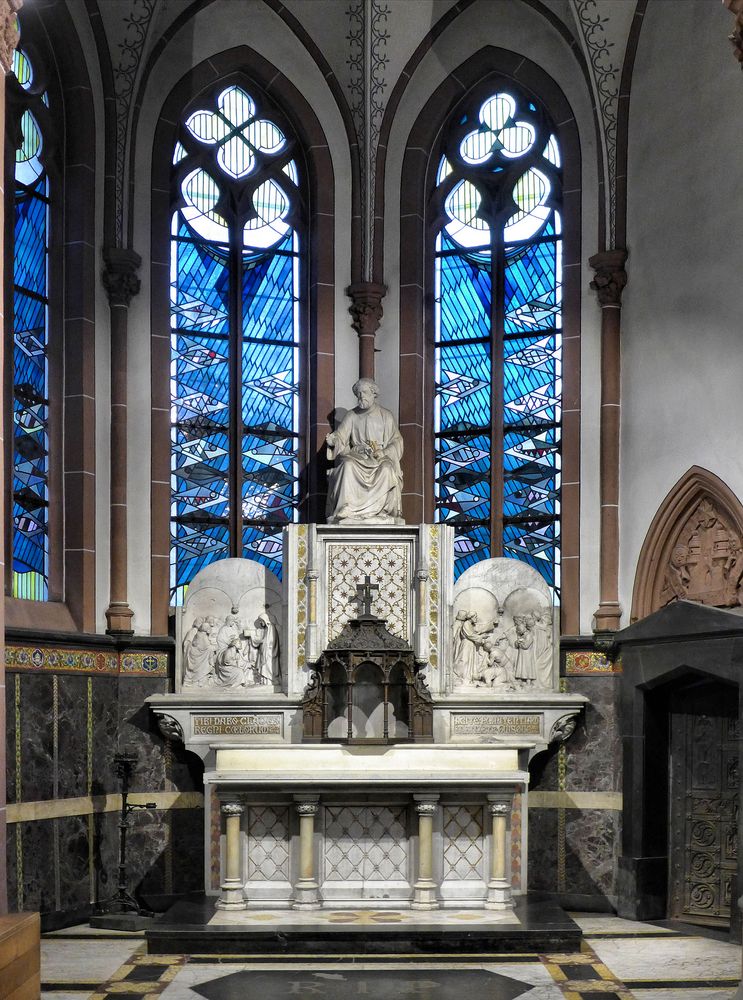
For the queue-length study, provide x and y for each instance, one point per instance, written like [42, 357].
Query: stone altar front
[301, 825]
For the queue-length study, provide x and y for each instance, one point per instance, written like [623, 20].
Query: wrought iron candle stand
[123, 912]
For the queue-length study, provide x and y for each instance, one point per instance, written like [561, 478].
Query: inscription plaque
[245, 724]
[492, 724]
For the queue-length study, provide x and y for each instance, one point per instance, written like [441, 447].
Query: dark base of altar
[194, 926]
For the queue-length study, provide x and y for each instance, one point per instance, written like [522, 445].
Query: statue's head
[366, 391]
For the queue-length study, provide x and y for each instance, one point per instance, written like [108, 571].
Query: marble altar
[339, 822]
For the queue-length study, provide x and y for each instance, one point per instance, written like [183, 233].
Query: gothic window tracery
[495, 213]
[29, 112]
[237, 267]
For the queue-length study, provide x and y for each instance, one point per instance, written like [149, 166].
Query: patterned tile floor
[619, 960]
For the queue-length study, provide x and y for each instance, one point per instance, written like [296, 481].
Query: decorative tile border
[144, 664]
[591, 663]
[85, 661]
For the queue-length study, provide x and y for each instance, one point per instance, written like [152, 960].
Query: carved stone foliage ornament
[563, 728]
[736, 38]
[120, 275]
[169, 727]
[610, 277]
[706, 561]
[502, 629]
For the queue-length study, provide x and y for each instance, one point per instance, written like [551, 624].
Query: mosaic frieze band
[591, 663]
[86, 661]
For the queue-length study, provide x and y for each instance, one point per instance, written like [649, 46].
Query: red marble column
[121, 283]
[366, 315]
[608, 284]
[8, 42]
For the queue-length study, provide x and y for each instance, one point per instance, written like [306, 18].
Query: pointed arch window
[237, 269]
[30, 323]
[497, 260]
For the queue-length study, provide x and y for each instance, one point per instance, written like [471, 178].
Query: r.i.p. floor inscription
[428, 984]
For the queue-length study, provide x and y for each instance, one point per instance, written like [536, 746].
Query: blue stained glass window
[236, 258]
[497, 332]
[30, 473]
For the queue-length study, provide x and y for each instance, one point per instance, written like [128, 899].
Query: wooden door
[703, 835]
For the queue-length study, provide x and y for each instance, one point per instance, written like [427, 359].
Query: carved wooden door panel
[704, 804]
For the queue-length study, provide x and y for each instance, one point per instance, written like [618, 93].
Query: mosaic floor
[619, 959]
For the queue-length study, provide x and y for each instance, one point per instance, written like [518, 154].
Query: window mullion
[235, 396]
[497, 278]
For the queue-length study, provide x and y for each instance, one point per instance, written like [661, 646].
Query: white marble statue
[502, 631]
[365, 486]
[219, 648]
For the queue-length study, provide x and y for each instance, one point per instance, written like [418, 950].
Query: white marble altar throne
[292, 824]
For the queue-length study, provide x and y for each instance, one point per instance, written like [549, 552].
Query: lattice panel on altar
[463, 851]
[366, 852]
[410, 568]
[268, 848]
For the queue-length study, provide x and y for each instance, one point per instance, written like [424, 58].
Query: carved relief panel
[706, 562]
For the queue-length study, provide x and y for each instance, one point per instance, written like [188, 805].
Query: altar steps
[194, 926]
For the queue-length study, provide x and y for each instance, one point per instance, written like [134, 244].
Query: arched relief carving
[693, 550]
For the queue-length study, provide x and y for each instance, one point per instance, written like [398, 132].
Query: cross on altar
[364, 595]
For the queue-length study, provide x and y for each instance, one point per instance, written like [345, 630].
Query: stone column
[121, 283]
[366, 315]
[425, 890]
[306, 889]
[231, 896]
[499, 885]
[608, 283]
[8, 42]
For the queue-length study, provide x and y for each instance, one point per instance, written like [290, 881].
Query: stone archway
[693, 550]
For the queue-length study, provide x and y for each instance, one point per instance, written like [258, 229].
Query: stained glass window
[236, 263]
[497, 330]
[30, 471]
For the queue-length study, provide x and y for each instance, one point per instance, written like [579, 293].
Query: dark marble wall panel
[12, 869]
[10, 738]
[148, 838]
[593, 838]
[37, 840]
[187, 832]
[105, 855]
[74, 873]
[543, 850]
[594, 751]
[73, 735]
[37, 751]
[138, 729]
[105, 734]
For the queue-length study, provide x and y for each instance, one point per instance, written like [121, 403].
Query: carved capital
[306, 808]
[232, 808]
[499, 808]
[8, 31]
[169, 727]
[366, 307]
[425, 808]
[736, 38]
[120, 275]
[611, 276]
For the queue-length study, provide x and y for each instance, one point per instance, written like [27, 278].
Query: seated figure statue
[366, 483]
